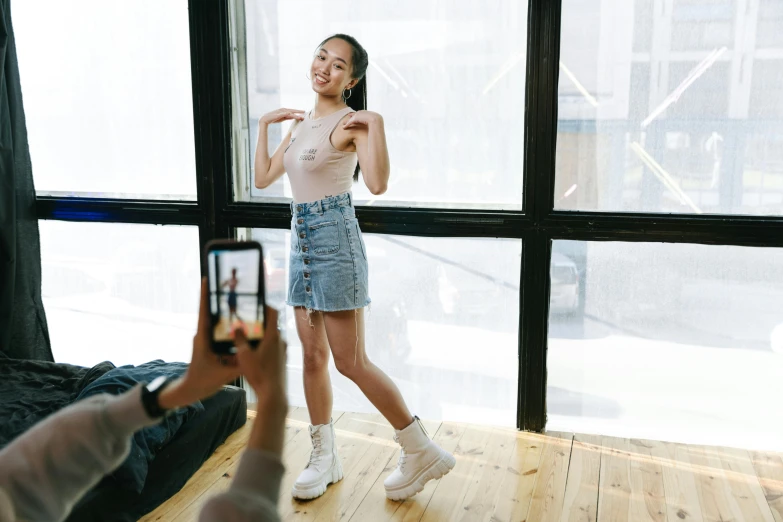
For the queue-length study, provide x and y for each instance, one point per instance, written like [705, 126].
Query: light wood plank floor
[504, 475]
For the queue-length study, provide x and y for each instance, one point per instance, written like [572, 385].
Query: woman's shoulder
[344, 115]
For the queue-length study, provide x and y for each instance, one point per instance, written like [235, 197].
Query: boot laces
[403, 455]
[317, 452]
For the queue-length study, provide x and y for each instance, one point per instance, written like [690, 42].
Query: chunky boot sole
[434, 471]
[316, 490]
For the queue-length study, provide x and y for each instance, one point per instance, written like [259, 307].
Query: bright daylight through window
[448, 78]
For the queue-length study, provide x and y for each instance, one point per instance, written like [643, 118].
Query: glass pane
[702, 24]
[670, 342]
[448, 78]
[642, 38]
[128, 294]
[676, 111]
[770, 21]
[766, 92]
[107, 96]
[443, 324]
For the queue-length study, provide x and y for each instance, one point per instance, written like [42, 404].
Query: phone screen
[235, 295]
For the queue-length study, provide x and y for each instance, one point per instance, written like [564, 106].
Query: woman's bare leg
[345, 335]
[315, 354]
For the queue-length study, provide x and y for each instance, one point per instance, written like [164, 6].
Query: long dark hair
[357, 99]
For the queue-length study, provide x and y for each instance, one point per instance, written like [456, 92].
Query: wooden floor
[504, 475]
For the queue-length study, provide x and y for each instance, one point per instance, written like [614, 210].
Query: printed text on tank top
[315, 167]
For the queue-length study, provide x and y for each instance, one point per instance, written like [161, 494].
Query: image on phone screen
[234, 299]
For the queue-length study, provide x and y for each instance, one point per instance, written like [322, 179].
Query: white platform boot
[421, 460]
[324, 467]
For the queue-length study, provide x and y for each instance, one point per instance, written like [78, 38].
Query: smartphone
[235, 277]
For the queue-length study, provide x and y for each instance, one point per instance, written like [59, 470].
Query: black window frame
[537, 225]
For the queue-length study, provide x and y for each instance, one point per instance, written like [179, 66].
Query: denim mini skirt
[327, 269]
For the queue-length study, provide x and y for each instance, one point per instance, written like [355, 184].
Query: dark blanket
[32, 390]
[173, 466]
[147, 442]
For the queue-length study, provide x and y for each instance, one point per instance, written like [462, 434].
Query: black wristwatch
[150, 393]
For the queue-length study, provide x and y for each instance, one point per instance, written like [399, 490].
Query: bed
[171, 453]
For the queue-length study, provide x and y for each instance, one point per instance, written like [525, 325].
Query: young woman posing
[328, 282]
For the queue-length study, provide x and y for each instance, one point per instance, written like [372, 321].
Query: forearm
[376, 167]
[269, 425]
[256, 486]
[253, 494]
[48, 469]
[175, 395]
[262, 158]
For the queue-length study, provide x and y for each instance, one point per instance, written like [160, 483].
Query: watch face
[155, 384]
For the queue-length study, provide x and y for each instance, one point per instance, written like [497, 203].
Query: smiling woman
[320, 155]
[328, 269]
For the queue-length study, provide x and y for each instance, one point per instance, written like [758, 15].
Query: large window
[666, 130]
[676, 342]
[449, 81]
[124, 293]
[558, 170]
[448, 77]
[107, 94]
[443, 323]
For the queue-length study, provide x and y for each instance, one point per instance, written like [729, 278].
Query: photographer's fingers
[275, 334]
[240, 341]
[229, 361]
[263, 360]
[203, 312]
[270, 328]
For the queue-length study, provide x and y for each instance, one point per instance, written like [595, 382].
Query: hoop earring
[307, 75]
[345, 98]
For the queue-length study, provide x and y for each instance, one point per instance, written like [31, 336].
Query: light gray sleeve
[253, 494]
[49, 468]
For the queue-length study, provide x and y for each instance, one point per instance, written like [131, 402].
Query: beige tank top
[316, 169]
